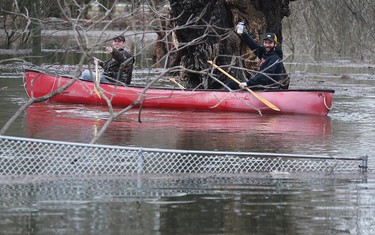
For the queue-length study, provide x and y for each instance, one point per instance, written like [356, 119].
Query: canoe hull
[309, 102]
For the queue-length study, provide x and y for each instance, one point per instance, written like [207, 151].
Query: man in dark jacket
[271, 70]
[118, 68]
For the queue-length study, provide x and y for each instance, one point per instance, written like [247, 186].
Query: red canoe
[310, 102]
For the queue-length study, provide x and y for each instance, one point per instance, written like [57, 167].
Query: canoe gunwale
[187, 89]
[291, 101]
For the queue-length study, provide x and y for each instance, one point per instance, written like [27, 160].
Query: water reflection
[274, 204]
[180, 129]
[187, 205]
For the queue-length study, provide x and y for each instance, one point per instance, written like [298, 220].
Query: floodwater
[214, 204]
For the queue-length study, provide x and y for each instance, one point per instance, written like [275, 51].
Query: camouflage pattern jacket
[120, 66]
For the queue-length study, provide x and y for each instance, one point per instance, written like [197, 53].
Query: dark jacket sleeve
[101, 64]
[258, 50]
[118, 55]
[259, 79]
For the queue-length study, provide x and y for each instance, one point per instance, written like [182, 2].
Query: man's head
[270, 41]
[118, 41]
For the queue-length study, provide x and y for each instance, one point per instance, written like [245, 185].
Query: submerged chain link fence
[23, 156]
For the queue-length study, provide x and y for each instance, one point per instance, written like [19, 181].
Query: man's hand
[96, 60]
[243, 85]
[108, 49]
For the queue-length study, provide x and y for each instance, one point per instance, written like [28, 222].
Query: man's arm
[250, 42]
[118, 55]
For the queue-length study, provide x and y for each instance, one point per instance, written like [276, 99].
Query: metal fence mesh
[22, 156]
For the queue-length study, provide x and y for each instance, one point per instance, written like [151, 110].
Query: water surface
[270, 203]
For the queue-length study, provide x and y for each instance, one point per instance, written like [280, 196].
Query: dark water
[188, 206]
[267, 204]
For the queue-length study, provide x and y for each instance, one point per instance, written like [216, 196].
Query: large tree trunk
[204, 29]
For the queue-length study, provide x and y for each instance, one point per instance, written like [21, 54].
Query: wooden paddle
[178, 84]
[266, 102]
[96, 79]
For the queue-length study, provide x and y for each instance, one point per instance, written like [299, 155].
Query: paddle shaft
[178, 84]
[96, 82]
[266, 102]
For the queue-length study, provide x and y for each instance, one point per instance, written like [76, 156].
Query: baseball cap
[270, 36]
[119, 37]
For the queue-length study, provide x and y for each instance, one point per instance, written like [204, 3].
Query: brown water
[261, 204]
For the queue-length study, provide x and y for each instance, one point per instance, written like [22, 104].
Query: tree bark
[204, 29]
[36, 34]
